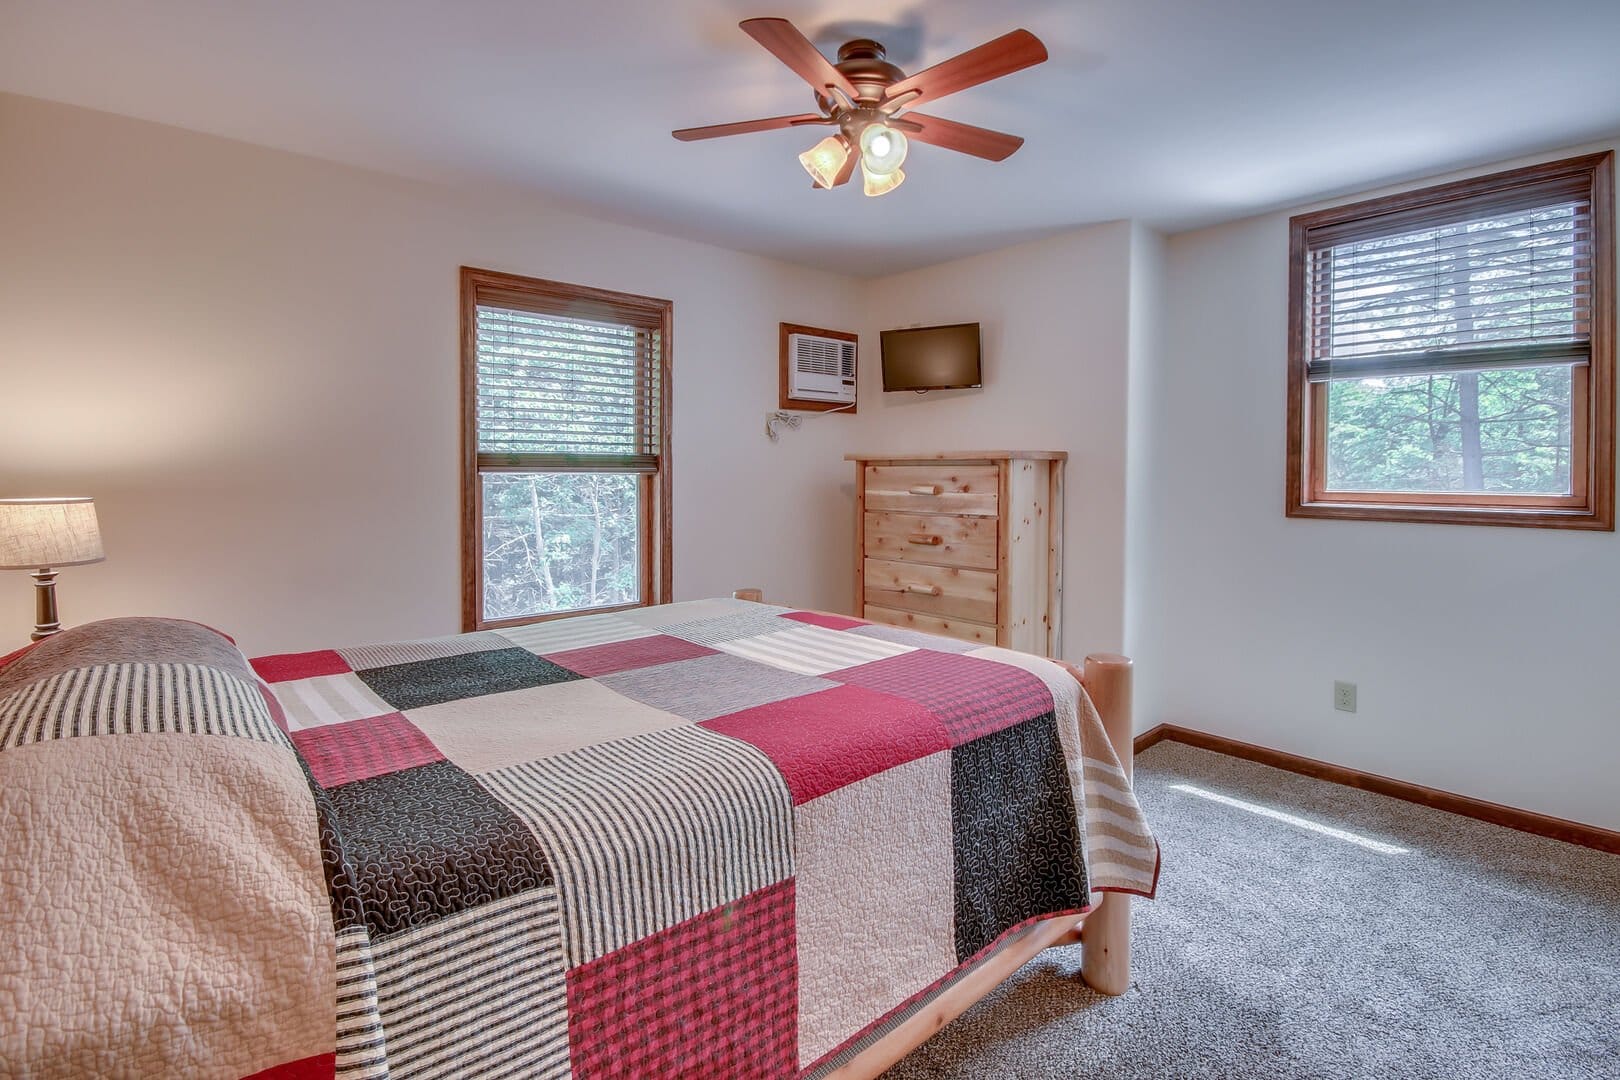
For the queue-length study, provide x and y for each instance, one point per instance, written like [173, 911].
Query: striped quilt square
[404, 652]
[361, 1052]
[824, 741]
[561, 635]
[640, 652]
[812, 650]
[328, 699]
[831, 622]
[713, 996]
[712, 686]
[133, 699]
[647, 832]
[972, 697]
[340, 754]
[482, 993]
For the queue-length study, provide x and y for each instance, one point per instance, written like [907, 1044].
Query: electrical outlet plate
[1344, 696]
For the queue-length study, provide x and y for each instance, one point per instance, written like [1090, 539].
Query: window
[565, 442]
[1451, 353]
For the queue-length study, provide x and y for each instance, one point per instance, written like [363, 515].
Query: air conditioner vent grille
[821, 368]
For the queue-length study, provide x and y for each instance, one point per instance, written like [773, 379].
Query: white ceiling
[1178, 112]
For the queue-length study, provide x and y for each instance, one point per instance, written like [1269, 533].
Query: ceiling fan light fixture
[883, 148]
[825, 160]
[880, 183]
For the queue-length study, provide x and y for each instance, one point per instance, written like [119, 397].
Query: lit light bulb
[883, 149]
[880, 183]
[825, 160]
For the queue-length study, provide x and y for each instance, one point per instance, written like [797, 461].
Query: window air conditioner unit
[820, 369]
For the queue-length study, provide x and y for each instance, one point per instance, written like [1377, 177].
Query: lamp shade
[825, 160]
[881, 183]
[883, 149]
[38, 533]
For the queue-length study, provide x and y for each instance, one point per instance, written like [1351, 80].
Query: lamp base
[46, 622]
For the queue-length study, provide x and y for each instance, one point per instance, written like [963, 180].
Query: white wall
[1148, 313]
[1054, 315]
[1484, 656]
[249, 358]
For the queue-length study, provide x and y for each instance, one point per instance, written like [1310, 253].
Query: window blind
[1502, 280]
[575, 390]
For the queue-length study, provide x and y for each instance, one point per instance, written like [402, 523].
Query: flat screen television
[931, 357]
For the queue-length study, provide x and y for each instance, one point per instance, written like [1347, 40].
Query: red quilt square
[971, 696]
[822, 741]
[831, 622]
[360, 749]
[714, 996]
[626, 655]
[319, 1067]
[286, 667]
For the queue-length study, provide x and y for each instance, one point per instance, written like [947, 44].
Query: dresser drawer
[933, 489]
[945, 591]
[933, 624]
[943, 539]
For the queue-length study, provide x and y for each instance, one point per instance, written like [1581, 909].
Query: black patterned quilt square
[1014, 830]
[450, 678]
[428, 842]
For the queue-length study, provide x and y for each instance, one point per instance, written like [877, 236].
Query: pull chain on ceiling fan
[868, 100]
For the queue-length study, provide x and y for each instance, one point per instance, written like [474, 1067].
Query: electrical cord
[792, 420]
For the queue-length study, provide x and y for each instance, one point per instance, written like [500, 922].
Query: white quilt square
[875, 897]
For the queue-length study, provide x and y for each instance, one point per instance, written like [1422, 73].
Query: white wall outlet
[1344, 696]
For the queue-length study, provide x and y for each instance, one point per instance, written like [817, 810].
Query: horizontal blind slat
[1504, 272]
[564, 389]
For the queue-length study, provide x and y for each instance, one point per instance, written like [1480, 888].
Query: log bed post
[1106, 933]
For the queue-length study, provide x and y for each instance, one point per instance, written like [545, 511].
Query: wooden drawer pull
[923, 590]
[925, 539]
[925, 489]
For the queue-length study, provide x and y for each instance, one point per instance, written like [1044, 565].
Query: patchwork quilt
[709, 839]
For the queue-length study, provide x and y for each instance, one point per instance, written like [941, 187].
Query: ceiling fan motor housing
[862, 62]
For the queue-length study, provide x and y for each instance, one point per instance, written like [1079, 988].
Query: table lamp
[41, 535]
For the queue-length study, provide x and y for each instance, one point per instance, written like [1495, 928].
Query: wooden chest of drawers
[969, 545]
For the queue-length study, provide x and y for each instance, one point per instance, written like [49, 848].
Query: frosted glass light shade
[39, 533]
[881, 183]
[825, 160]
[883, 148]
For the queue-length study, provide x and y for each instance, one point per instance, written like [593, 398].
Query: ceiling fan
[868, 100]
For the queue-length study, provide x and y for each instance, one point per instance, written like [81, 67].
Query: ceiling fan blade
[1003, 56]
[787, 44]
[715, 131]
[978, 141]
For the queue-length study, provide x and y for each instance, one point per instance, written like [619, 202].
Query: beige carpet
[1450, 948]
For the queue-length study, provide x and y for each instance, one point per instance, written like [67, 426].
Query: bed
[715, 838]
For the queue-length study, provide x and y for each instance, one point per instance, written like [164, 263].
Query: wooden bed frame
[1105, 932]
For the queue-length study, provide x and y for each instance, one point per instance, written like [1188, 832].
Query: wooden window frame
[1590, 506]
[656, 488]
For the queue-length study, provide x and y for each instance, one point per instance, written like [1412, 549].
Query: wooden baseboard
[1571, 832]
[1149, 737]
